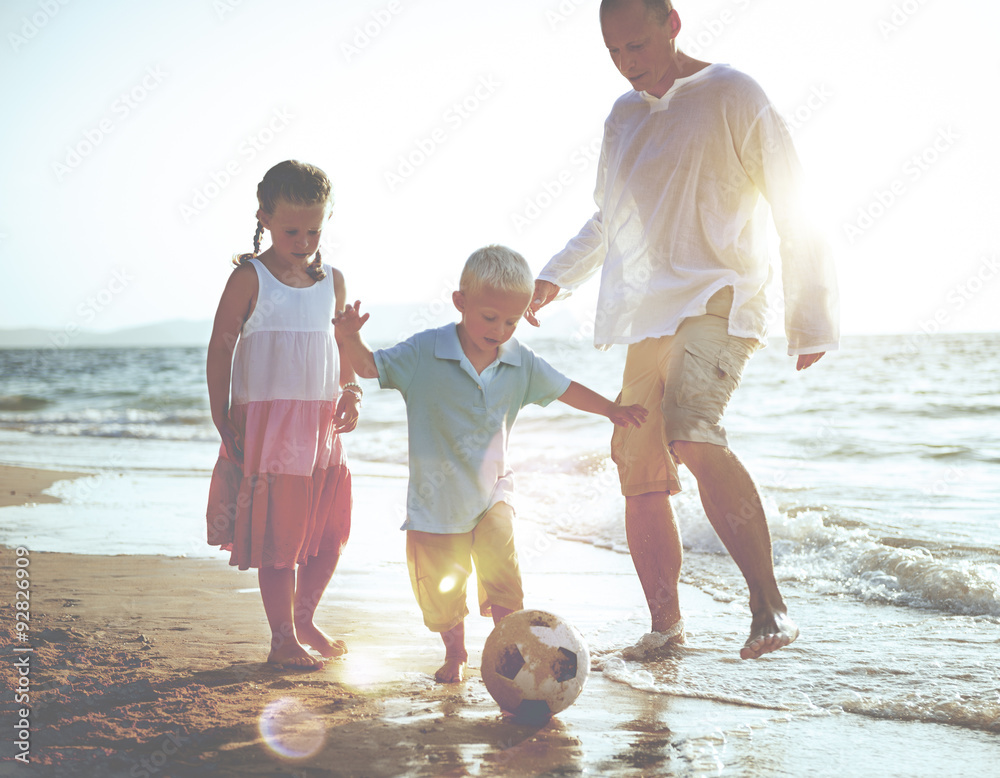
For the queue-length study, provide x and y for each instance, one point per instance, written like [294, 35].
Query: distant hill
[388, 324]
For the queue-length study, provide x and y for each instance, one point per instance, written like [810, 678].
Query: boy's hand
[350, 320]
[624, 415]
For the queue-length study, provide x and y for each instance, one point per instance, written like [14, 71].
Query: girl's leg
[313, 578]
[277, 590]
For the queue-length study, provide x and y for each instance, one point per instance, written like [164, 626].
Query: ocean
[879, 468]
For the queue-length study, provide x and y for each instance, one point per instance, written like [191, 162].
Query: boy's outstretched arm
[348, 324]
[580, 397]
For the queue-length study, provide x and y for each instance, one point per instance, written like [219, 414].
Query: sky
[134, 135]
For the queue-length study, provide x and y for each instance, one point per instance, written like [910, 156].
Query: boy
[463, 385]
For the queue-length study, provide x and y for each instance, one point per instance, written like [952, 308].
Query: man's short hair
[497, 267]
[660, 8]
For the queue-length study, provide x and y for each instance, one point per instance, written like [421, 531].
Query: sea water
[879, 468]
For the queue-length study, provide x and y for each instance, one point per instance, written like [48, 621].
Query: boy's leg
[497, 568]
[439, 568]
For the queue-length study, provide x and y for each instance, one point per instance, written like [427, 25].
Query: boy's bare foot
[312, 636]
[768, 632]
[292, 656]
[453, 669]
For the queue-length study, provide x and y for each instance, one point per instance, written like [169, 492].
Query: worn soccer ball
[535, 664]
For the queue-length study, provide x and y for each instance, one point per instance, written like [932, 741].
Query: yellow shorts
[685, 381]
[440, 566]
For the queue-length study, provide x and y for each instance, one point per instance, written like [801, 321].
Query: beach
[154, 665]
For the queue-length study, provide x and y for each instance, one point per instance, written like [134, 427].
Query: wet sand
[148, 665]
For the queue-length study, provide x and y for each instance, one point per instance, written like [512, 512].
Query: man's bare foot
[655, 644]
[453, 669]
[293, 656]
[768, 632]
[312, 636]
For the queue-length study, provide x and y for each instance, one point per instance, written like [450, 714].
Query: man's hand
[545, 292]
[350, 321]
[805, 360]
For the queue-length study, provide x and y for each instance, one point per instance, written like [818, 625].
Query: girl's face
[295, 230]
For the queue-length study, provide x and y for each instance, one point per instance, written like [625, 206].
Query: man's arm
[580, 397]
[808, 273]
[348, 324]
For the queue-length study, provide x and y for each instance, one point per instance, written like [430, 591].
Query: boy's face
[489, 317]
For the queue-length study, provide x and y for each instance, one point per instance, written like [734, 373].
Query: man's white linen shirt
[683, 188]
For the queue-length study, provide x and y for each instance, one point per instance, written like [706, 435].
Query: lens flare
[290, 729]
[448, 583]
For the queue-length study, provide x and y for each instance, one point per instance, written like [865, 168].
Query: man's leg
[734, 508]
[655, 545]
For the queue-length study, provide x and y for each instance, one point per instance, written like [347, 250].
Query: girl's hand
[350, 320]
[624, 415]
[231, 439]
[348, 411]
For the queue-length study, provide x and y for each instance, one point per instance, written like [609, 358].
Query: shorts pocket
[711, 373]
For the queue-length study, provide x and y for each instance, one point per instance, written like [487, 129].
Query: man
[690, 161]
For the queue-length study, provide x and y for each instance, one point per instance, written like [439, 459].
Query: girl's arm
[348, 407]
[580, 397]
[348, 326]
[234, 308]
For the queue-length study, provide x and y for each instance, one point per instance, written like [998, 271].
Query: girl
[280, 495]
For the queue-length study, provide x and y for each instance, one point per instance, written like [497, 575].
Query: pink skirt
[290, 499]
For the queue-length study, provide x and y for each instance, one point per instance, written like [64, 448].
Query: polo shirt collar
[448, 346]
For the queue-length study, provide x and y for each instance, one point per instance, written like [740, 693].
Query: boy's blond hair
[497, 267]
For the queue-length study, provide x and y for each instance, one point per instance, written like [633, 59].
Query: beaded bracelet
[354, 389]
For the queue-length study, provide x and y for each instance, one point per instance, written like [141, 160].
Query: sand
[148, 665]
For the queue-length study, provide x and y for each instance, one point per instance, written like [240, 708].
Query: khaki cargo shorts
[440, 566]
[685, 381]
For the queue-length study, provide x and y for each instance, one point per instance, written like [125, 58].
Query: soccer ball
[535, 664]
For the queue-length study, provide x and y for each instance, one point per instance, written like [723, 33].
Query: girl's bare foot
[312, 636]
[453, 669]
[293, 656]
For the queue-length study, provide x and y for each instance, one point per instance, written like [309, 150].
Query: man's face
[641, 47]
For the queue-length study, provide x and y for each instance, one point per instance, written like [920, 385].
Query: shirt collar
[678, 83]
[448, 346]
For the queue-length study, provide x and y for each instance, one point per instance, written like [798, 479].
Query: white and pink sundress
[290, 498]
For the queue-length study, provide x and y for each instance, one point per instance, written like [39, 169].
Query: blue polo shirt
[458, 423]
